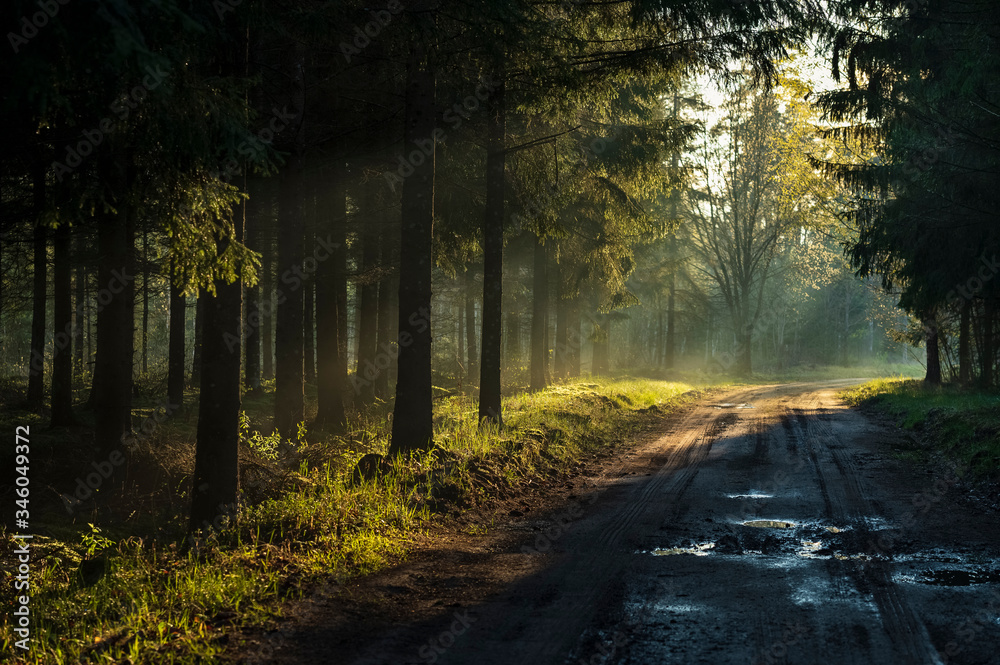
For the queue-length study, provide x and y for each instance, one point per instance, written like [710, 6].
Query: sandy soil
[765, 525]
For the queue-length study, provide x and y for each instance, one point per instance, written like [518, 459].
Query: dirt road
[771, 525]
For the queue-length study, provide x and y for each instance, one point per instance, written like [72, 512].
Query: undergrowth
[105, 596]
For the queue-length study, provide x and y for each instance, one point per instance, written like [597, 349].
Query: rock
[369, 467]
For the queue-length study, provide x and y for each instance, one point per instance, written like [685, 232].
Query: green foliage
[158, 603]
[265, 446]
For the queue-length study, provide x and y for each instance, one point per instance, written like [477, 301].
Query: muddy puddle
[782, 542]
[952, 577]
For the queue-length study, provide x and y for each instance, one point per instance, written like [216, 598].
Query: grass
[102, 595]
[962, 424]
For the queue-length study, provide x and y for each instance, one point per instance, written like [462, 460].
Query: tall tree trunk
[671, 340]
[215, 484]
[744, 359]
[79, 309]
[989, 340]
[472, 364]
[933, 375]
[62, 337]
[388, 287]
[308, 285]
[266, 304]
[964, 347]
[145, 301]
[36, 363]
[331, 366]
[492, 321]
[412, 419]
[199, 335]
[216, 478]
[365, 370]
[599, 360]
[539, 312]
[175, 351]
[112, 391]
[561, 360]
[289, 387]
[253, 317]
[574, 338]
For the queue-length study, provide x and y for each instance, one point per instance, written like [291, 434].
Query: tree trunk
[599, 358]
[36, 364]
[175, 351]
[365, 370]
[574, 339]
[388, 287]
[472, 365]
[145, 302]
[199, 334]
[933, 375]
[964, 347]
[492, 321]
[989, 340]
[289, 387]
[215, 484]
[308, 288]
[62, 337]
[266, 305]
[744, 360]
[253, 317]
[330, 281]
[539, 315]
[79, 309]
[112, 392]
[671, 340]
[561, 360]
[412, 419]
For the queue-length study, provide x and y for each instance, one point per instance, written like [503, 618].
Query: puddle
[745, 406]
[701, 549]
[769, 524]
[750, 495]
[953, 577]
[733, 405]
[724, 405]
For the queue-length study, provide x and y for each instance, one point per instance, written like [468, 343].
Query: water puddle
[701, 549]
[750, 495]
[769, 524]
[733, 405]
[952, 577]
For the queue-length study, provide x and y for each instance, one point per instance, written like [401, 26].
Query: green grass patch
[963, 424]
[110, 596]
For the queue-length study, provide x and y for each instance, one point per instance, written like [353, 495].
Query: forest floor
[766, 524]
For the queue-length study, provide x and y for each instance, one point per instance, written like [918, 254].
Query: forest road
[769, 525]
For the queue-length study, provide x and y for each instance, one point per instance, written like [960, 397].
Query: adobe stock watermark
[455, 116]
[438, 645]
[363, 36]
[122, 108]
[30, 26]
[104, 469]
[963, 293]
[63, 338]
[560, 526]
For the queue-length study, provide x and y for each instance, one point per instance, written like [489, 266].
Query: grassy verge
[101, 598]
[964, 425]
